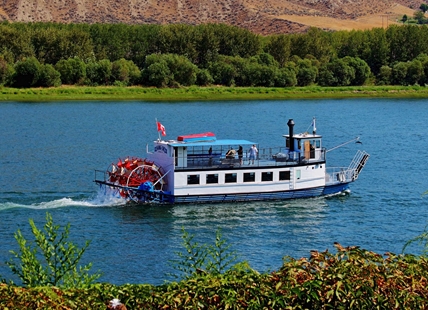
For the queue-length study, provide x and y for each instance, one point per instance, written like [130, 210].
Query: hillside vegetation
[48, 54]
[259, 16]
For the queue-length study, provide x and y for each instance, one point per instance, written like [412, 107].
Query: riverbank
[206, 93]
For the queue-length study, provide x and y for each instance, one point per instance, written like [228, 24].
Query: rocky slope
[260, 16]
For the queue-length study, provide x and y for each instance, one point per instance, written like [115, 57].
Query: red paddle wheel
[132, 172]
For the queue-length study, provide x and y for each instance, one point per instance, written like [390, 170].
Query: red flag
[161, 128]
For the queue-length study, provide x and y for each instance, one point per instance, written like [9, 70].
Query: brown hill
[260, 16]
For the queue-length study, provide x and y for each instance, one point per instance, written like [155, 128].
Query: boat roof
[217, 142]
[303, 135]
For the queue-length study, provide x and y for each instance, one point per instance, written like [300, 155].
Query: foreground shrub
[352, 278]
[51, 260]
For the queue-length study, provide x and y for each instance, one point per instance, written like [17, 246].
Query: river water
[48, 153]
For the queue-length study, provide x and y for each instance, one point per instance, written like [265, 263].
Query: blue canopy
[224, 142]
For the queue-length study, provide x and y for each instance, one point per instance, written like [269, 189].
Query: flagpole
[157, 129]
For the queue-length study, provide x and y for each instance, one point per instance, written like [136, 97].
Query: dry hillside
[261, 16]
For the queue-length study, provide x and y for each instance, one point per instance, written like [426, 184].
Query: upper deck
[215, 154]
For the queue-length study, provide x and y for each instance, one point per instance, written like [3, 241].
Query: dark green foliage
[99, 72]
[27, 72]
[315, 42]
[168, 69]
[207, 45]
[157, 74]
[384, 76]
[6, 71]
[420, 17]
[351, 278]
[233, 56]
[72, 70]
[125, 71]
[279, 47]
[50, 260]
[415, 72]
[49, 77]
[361, 69]
[202, 259]
[204, 78]
[336, 73]
[399, 73]
[306, 72]
[285, 77]
[223, 73]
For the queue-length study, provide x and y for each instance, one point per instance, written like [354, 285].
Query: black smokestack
[291, 133]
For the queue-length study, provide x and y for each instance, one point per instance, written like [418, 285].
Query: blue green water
[48, 153]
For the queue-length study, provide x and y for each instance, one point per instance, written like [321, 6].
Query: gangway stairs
[358, 163]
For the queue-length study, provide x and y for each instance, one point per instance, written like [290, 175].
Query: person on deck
[252, 154]
[231, 153]
[240, 154]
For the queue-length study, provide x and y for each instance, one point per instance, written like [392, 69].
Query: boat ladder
[358, 163]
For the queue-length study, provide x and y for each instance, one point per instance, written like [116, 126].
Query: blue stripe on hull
[282, 195]
[334, 189]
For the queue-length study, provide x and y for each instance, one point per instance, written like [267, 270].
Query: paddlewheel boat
[199, 168]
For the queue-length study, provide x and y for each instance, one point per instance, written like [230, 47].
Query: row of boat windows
[194, 179]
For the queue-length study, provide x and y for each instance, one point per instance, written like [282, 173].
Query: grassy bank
[206, 93]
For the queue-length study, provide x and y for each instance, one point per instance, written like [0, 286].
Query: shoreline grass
[206, 93]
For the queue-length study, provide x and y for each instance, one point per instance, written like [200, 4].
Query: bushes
[168, 70]
[352, 278]
[50, 260]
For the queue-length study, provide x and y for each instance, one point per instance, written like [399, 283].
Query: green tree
[49, 77]
[6, 71]
[420, 17]
[204, 78]
[207, 45]
[415, 72]
[377, 53]
[72, 70]
[182, 69]
[404, 18]
[361, 69]
[399, 73]
[384, 76]
[423, 7]
[15, 39]
[125, 71]
[27, 72]
[99, 72]
[336, 73]
[223, 73]
[156, 73]
[286, 77]
[51, 260]
[306, 72]
[172, 70]
[279, 47]
[315, 42]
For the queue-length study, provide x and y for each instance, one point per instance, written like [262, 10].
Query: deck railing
[274, 156]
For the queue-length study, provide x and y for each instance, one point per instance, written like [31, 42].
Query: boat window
[249, 177]
[284, 175]
[212, 178]
[267, 176]
[193, 179]
[298, 172]
[230, 178]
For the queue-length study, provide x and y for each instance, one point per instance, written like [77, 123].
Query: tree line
[51, 54]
